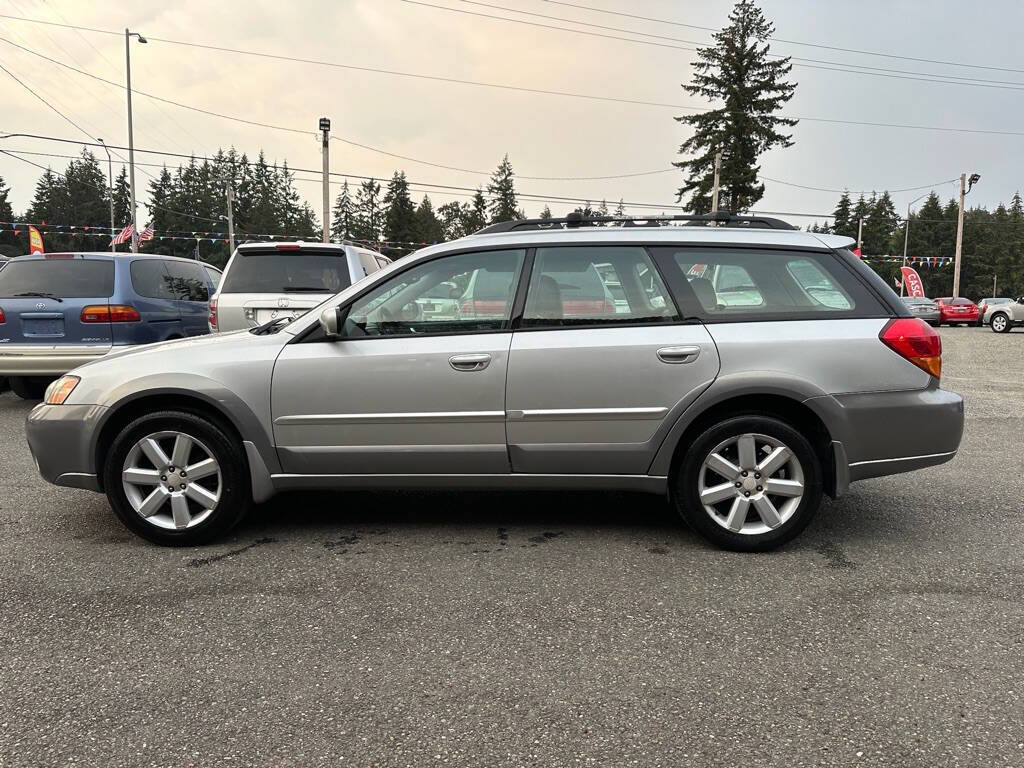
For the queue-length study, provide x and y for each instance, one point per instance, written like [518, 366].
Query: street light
[974, 179]
[110, 178]
[906, 237]
[128, 35]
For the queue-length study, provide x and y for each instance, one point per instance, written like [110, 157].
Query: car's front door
[594, 383]
[402, 393]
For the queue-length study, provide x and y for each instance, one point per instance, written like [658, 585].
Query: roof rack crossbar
[575, 220]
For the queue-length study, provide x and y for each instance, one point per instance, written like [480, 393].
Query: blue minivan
[60, 310]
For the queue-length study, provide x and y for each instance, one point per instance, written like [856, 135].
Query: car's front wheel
[177, 479]
[749, 483]
[1000, 322]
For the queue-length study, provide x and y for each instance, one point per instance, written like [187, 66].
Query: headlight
[60, 390]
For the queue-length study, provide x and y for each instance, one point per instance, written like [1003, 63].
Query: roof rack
[575, 220]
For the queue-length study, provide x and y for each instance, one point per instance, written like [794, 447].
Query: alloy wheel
[172, 480]
[751, 484]
[999, 323]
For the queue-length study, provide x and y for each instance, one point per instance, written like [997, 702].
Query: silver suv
[267, 281]
[1003, 317]
[741, 409]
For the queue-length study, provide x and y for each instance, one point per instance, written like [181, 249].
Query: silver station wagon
[747, 369]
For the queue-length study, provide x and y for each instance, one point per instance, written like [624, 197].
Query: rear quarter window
[66, 278]
[747, 284]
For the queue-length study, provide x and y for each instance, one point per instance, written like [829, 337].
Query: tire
[1001, 323]
[185, 516]
[755, 532]
[4, 386]
[27, 388]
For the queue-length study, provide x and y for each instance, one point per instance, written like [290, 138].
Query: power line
[498, 86]
[703, 43]
[926, 78]
[791, 42]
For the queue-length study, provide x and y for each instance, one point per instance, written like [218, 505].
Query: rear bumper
[885, 433]
[60, 438]
[46, 359]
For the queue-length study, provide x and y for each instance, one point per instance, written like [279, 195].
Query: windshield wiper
[305, 289]
[41, 295]
[270, 326]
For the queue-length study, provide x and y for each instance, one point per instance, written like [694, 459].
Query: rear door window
[723, 285]
[188, 281]
[151, 279]
[66, 278]
[595, 285]
[286, 272]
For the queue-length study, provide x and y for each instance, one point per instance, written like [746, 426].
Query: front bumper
[61, 440]
[47, 359]
[885, 433]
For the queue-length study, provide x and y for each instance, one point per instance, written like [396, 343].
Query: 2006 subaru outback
[752, 368]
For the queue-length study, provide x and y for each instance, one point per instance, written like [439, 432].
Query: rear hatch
[56, 301]
[279, 281]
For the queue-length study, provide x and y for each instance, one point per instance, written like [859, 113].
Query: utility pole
[959, 236]
[110, 181]
[718, 173]
[230, 193]
[325, 129]
[128, 35]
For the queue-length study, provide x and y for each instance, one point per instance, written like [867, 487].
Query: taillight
[2, 318]
[914, 340]
[213, 313]
[288, 247]
[110, 313]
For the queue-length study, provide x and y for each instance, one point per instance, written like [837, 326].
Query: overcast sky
[545, 135]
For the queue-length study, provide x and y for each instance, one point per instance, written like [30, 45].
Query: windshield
[67, 278]
[286, 272]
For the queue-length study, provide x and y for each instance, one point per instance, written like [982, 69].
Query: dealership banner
[912, 280]
[35, 241]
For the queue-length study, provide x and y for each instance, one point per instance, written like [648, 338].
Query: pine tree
[369, 217]
[453, 218]
[46, 207]
[399, 215]
[880, 225]
[602, 209]
[428, 227]
[476, 216]
[841, 223]
[503, 205]
[343, 215]
[546, 213]
[8, 241]
[751, 87]
[123, 198]
[620, 209]
[160, 190]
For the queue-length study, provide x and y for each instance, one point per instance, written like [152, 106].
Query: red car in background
[958, 311]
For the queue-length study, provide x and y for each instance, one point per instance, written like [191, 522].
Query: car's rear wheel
[1000, 322]
[177, 479]
[28, 388]
[750, 483]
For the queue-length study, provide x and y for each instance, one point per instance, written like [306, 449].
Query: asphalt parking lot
[403, 629]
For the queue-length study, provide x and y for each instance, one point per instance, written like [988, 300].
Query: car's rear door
[592, 388]
[58, 300]
[192, 295]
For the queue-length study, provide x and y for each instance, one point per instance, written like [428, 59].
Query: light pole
[110, 181]
[325, 130]
[906, 238]
[128, 35]
[970, 182]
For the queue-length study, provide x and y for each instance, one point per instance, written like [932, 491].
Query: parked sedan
[957, 311]
[926, 309]
[987, 306]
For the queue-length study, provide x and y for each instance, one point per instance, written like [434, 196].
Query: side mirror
[330, 322]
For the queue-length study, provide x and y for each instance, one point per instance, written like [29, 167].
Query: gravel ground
[406, 629]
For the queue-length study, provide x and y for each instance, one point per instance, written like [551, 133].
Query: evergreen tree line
[192, 199]
[993, 242]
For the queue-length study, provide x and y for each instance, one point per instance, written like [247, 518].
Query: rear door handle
[469, 362]
[675, 355]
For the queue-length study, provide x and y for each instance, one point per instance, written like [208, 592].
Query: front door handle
[469, 362]
[675, 355]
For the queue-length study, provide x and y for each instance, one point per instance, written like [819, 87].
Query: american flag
[146, 234]
[124, 236]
